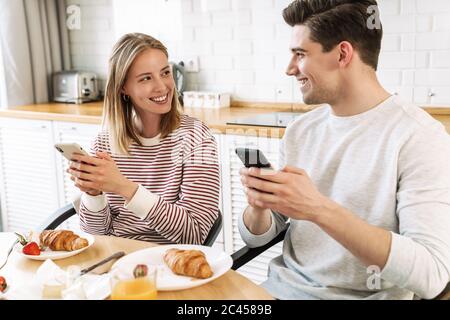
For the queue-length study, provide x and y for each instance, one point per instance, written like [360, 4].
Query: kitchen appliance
[75, 87]
[179, 76]
[202, 99]
[274, 119]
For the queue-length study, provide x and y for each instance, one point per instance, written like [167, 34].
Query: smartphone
[252, 158]
[69, 149]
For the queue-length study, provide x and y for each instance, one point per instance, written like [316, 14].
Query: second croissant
[190, 263]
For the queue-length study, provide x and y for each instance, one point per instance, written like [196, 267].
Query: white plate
[56, 255]
[219, 261]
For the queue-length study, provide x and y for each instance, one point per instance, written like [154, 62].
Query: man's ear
[346, 52]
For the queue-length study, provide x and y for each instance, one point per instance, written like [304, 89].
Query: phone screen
[252, 158]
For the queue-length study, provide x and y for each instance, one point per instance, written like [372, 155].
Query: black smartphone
[252, 158]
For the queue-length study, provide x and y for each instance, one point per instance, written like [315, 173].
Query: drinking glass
[126, 286]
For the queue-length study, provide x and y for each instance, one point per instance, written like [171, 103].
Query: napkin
[72, 286]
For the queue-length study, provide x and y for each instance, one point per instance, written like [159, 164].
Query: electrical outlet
[191, 64]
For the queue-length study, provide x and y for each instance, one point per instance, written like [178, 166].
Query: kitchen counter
[90, 113]
[216, 119]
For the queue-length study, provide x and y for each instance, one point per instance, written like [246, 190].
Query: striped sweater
[178, 195]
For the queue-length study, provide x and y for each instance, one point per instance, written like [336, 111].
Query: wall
[242, 45]
[416, 49]
[92, 44]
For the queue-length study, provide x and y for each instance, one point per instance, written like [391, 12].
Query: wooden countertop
[90, 113]
[216, 119]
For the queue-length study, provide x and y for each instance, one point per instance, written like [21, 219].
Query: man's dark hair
[334, 21]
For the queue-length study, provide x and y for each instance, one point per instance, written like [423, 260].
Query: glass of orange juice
[134, 282]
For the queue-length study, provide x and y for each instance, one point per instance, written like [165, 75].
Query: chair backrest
[214, 232]
[76, 202]
[69, 210]
[58, 217]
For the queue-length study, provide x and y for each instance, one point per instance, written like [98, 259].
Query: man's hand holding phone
[256, 218]
[289, 191]
[253, 158]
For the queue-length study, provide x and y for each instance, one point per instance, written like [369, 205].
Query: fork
[9, 252]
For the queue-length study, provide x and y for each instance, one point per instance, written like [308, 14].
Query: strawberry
[3, 284]
[140, 270]
[32, 248]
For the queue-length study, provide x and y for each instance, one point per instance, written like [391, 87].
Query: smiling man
[365, 178]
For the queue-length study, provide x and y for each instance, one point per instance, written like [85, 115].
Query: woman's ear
[346, 51]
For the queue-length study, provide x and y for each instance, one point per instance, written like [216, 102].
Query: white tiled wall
[242, 45]
[415, 59]
[92, 44]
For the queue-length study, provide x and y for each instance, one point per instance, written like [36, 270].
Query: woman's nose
[159, 85]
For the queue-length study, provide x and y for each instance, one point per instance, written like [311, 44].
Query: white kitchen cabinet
[69, 132]
[29, 189]
[234, 200]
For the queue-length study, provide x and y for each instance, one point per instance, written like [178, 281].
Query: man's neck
[359, 97]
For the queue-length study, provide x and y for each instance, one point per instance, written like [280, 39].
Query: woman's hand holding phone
[100, 173]
[75, 175]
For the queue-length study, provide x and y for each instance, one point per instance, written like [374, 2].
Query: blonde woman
[155, 173]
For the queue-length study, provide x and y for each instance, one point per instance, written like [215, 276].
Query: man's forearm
[257, 221]
[368, 243]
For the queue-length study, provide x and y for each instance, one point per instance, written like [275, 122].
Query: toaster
[75, 87]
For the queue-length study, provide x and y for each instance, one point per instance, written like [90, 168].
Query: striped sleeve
[189, 219]
[95, 216]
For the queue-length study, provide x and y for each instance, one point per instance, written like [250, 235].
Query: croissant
[62, 240]
[190, 263]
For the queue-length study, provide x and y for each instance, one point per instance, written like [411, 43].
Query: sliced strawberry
[3, 284]
[32, 249]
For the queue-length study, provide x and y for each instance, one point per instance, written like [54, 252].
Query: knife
[114, 256]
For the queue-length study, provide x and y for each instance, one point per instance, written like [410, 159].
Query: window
[3, 97]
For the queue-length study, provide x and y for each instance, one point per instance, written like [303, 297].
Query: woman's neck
[151, 125]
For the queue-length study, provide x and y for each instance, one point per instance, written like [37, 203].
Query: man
[365, 179]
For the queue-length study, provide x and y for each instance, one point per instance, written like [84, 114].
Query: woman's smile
[160, 99]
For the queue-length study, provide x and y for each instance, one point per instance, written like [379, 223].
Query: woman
[155, 174]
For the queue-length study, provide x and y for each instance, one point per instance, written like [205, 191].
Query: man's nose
[292, 69]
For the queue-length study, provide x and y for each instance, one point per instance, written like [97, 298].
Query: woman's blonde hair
[118, 111]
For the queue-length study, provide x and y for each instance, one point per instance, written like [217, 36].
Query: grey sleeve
[252, 240]
[419, 258]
